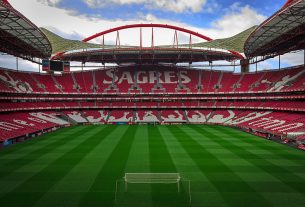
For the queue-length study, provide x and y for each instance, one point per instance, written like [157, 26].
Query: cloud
[177, 6]
[294, 58]
[237, 19]
[50, 2]
[71, 24]
[8, 61]
[211, 7]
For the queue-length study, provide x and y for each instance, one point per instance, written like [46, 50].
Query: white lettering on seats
[49, 118]
[9, 126]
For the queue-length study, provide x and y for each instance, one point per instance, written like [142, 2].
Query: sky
[77, 19]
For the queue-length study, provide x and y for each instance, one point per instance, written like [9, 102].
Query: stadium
[152, 124]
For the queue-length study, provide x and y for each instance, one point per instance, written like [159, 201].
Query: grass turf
[79, 166]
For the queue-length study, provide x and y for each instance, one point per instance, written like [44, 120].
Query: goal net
[152, 177]
[139, 187]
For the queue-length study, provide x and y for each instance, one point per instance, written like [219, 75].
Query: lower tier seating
[274, 122]
[147, 116]
[18, 124]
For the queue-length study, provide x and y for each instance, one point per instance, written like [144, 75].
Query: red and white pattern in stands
[121, 116]
[267, 113]
[275, 122]
[96, 116]
[76, 116]
[173, 116]
[19, 124]
[125, 79]
[9, 81]
[197, 116]
[88, 80]
[221, 116]
[262, 104]
[249, 81]
[47, 82]
[66, 83]
[80, 81]
[147, 116]
[228, 81]
[102, 81]
[282, 80]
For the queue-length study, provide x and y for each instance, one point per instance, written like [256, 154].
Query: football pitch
[80, 166]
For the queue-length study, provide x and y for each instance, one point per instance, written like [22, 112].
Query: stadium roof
[235, 43]
[146, 55]
[60, 44]
[283, 32]
[74, 50]
[19, 36]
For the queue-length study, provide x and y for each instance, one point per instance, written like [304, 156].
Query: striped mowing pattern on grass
[79, 166]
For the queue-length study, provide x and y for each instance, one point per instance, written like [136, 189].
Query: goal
[136, 188]
[166, 178]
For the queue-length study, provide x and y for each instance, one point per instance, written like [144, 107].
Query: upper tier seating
[102, 80]
[66, 82]
[88, 77]
[189, 80]
[18, 82]
[47, 82]
[147, 80]
[271, 111]
[228, 82]
[249, 81]
[84, 82]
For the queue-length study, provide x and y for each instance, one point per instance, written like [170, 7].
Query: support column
[245, 65]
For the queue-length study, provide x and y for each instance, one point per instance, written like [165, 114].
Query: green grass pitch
[79, 166]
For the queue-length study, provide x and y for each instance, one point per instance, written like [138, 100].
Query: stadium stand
[24, 123]
[173, 116]
[170, 81]
[18, 124]
[147, 116]
[96, 116]
[265, 101]
[120, 116]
